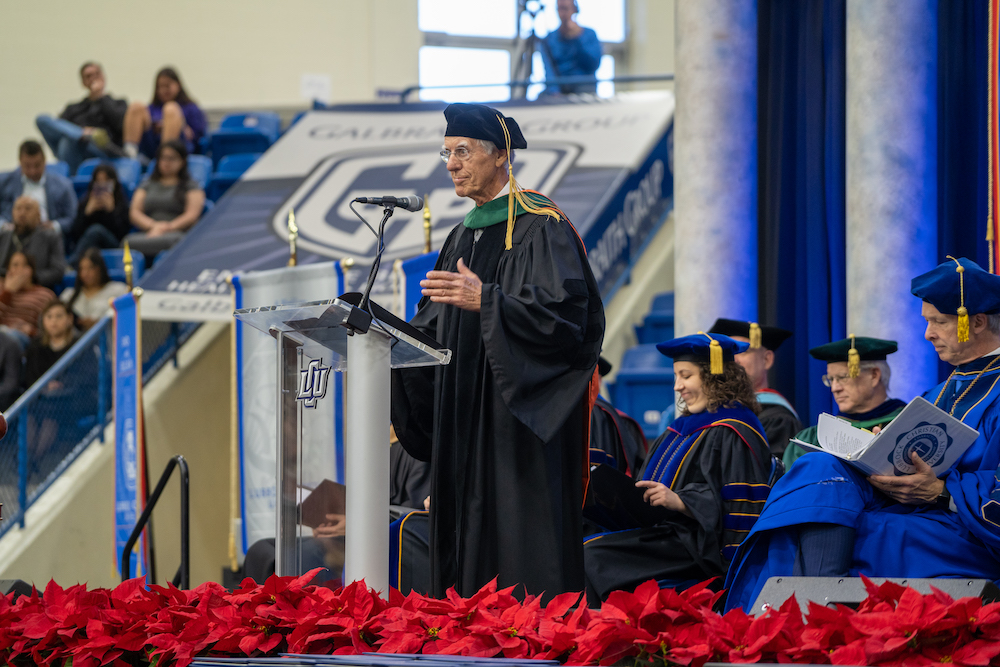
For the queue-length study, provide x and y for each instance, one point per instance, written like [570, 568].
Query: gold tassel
[755, 336]
[517, 194]
[715, 357]
[963, 312]
[853, 360]
[963, 325]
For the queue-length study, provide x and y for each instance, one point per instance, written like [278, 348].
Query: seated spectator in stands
[862, 394]
[165, 205]
[777, 415]
[22, 300]
[91, 127]
[708, 473]
[572, 50]
[102, 217]
[53, 193]
[171, 116]
[57, 335]
[88, 298]
[10, 371]
[27, 233]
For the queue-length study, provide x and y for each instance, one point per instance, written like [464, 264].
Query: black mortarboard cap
[478, 121]
[868, 349]
[770, 337]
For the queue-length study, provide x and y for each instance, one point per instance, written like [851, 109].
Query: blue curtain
[801, 163]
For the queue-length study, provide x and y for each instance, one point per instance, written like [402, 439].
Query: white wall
[249, 53]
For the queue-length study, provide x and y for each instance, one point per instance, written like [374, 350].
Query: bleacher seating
[658, 325]
[644, 386]
[115, 259]
[59, 167]
[230, 168]
[199, 167]
[129, 173]
[244, 133]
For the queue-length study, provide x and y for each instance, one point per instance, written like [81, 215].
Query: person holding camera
[102, 216]
[572, 50]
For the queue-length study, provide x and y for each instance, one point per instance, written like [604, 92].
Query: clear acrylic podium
[314, 339]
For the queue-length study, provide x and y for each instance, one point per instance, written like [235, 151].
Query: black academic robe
[504, 424]
[719, 464]
[615, 439]
[780, 425]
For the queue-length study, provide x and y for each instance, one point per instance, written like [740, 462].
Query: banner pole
[234, 440]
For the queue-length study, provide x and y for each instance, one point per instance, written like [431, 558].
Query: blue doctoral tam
[943, 288]
[698, 347]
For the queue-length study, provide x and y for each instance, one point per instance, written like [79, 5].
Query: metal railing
[182, 579]
[558, 81]
[68, 408]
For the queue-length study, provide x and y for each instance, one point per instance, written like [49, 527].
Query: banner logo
[929, 441]
[313, 381]
[322, 202]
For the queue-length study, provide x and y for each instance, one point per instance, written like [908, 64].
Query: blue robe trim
[892, 540]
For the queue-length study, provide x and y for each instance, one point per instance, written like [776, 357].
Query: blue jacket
[59, 196]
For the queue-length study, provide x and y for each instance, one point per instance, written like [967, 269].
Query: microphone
[411, 203]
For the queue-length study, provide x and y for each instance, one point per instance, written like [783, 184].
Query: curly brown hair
[731, 387]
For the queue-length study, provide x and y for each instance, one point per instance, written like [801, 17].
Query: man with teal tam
[709, 473]
[824, 518]
[505, 424]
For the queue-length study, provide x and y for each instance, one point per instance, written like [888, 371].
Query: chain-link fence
[67, 409]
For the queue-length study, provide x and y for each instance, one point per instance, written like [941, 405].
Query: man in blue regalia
[824, 518]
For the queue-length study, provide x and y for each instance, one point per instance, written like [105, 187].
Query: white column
[892, 177]
[366, 410]
[715, 163]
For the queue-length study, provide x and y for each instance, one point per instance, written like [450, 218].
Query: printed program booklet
[937, 437]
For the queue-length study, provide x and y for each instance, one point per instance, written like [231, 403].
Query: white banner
[322, 454]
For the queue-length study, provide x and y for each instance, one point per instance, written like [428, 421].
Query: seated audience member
[22, 299]
[708, 473]
[102, 219]
[53, 193]
[91, 127]
[57, 335]
[825, 518]
[10, 370]
[27, 234]
[165, 205]
[861, 393]
[88, 298]
[572, 50]
[777, 415]
[171, 116]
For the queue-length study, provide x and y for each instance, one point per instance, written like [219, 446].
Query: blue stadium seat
[199, 167]
[230, 169]
[644, 386]
[129, 173]
[59, 167]
[658, 325]
[244, 133]
[115, 259]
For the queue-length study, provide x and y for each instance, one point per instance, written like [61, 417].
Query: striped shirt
[18, 309]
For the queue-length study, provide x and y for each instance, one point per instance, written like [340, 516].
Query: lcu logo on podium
[313, 382]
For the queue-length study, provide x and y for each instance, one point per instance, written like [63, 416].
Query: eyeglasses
[829, 380]
[462, 153]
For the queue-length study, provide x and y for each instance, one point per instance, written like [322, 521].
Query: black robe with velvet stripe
[504, 424]
[723, 481]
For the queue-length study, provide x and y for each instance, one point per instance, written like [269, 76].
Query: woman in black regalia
[709, 472]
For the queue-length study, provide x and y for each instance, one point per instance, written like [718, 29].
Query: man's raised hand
[463, 289]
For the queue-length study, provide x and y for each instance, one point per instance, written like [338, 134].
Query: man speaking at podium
[505, 424]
